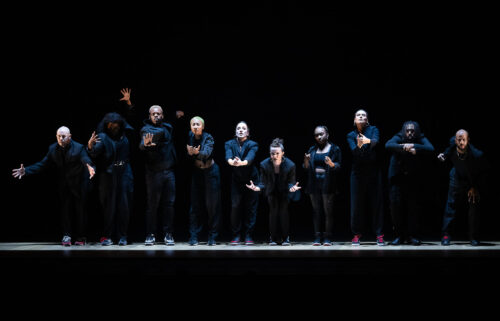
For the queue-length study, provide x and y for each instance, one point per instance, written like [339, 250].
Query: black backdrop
[282, 68]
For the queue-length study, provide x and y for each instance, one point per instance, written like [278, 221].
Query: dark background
[282, 68]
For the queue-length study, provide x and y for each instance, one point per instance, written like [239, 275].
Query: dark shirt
[162, 155]
[69, 162]
[403, 162]
[244, 151]
[329, 183]
[206, 144]
[109, 152]
[364, 158]
[283, 180]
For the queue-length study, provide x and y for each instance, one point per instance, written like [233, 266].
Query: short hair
[244, 122]
[277, 142]
[155, 106]
[198, 118]
[324, 127]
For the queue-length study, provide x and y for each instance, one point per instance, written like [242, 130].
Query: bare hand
[253, 187]
[362, 140]
[307, 158]
[126, 95]
[19, 172]
[407, 147]
[196, 150]
[295, 187]
[413, 151]
[179, 114]
[93, 140]
[148, 140]
[329, 162]
[441, 157]
[91, 171]
[473, 195]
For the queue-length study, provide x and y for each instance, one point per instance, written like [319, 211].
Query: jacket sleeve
[424, 146]
[394, 144]
[40, 166]
[291, 177]
[206, 148]
[85, 159]
[263, 183]
[252, 152]
[229, 150]
[337, 158]
[96, 150]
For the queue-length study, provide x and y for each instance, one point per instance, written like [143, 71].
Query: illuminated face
[320, 135]
[462, 140]
[196, 127]
[276, 155]
[361, 117]
[63, 136]
[156, 115]
[241, 130]
[410, 131]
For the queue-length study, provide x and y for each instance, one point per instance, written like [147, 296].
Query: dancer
[277, 181]
[74, 169]
[405, 181]
[205, 182]
[111, 150]
[466, 181]
[240, 155]
[366, 179]
[322, 162]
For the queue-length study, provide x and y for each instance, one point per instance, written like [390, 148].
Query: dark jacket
[108, 152]
[161, 156]
[206, 147]
[246, 151]
[286, 177]
[70, 165]
[330, 175]
[364, 158]
[405, 163]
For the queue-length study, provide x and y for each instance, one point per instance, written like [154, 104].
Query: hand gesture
[253, 187]
[179, 114]
[93, 140]
[441, 157]
[193, 150]
[413, 151]
[236, 161]
[473, 195]
[307, 158]
[196, 150]
[407, 147]
[362, 140]
[295, 187]
[148, 140]
[19, 172]
[91, 171]
[329, 162]
[126, 95]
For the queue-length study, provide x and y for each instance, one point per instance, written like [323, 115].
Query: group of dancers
[107, 155]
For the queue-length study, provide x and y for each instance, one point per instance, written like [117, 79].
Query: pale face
[196, 127]
[156, 115]
[276, 155]
[241, 131]
[462, 140]
[63, 137]
[361, 117]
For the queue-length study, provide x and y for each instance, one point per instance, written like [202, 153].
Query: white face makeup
[63, 136]
[276, 155]
[196, 127]
[241, 130]
[361, 117]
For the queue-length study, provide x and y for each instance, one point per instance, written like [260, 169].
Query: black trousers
[405, 206]
[457, 195]
[205, 200]
[160, 189]
[244, 204]
[366, 198]
[322, 205]
[73, 206]
[278, 217]
[116, 195]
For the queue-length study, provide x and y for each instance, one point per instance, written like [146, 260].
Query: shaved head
[63, 136]
[63, 129]
[462, 132]
[462, 140]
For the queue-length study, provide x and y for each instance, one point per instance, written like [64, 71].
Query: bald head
[63, 136]
[156, 114]
[462, 140]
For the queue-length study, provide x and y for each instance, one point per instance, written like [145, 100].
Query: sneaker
[355, 240]
[327, 242]
[415, 242]
[66, 240]
[286, 242]
[475, 243]
[150, 240]
[211, 242]
[396, 241]
[193, 241]
[445, 240]
[81, 241]
[169, 239]
[272, 243]
[235, 241]
[122, 241]
[105, 241]
[317, 240]
[249, 240]
[380, 240]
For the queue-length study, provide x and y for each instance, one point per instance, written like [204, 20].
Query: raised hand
[196, 150]
[126, 95]
[307, 158]
[441, 157]
[329, 161]
[295, 187]
[19, 172]
[91, 171]
[253, 187]
[93, 140]
[148, 140]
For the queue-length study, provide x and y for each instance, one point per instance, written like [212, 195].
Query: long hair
[102, 127]
[418, 133]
